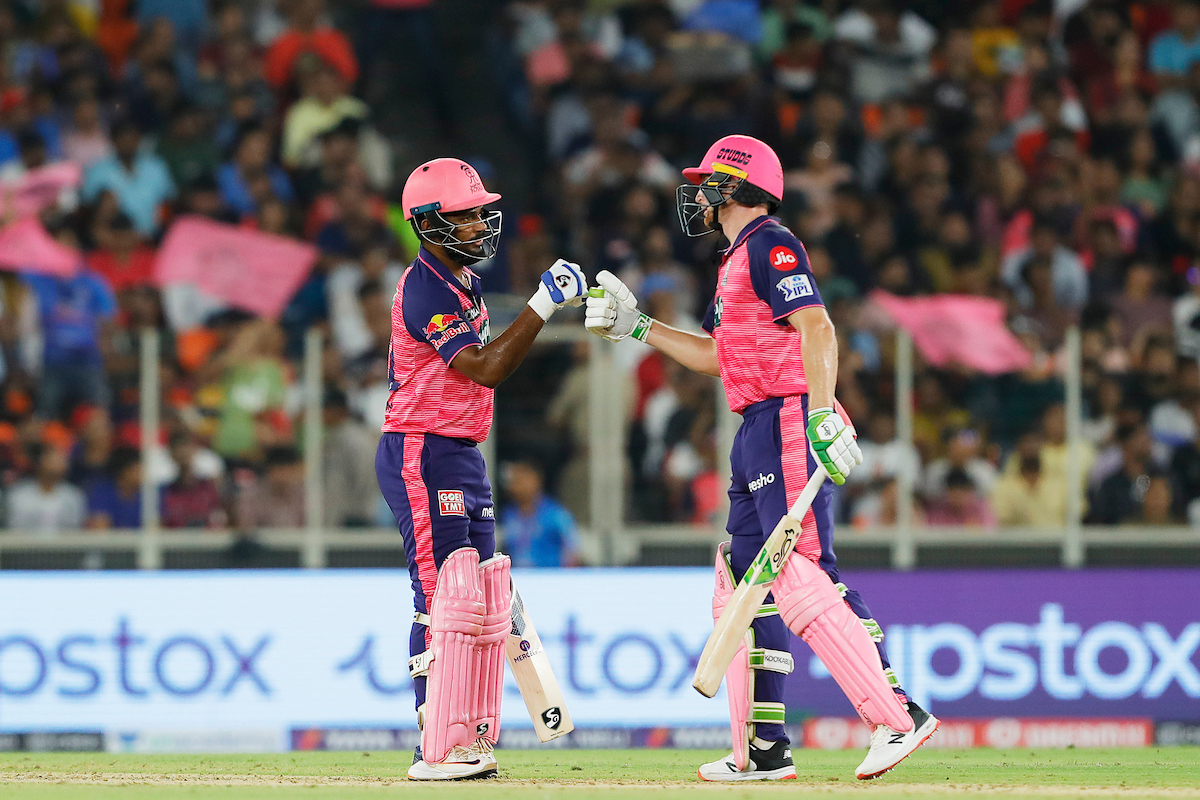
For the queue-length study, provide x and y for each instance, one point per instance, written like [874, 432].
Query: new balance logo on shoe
[897, 738]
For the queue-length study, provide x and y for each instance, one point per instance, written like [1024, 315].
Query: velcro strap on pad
[767, 713]
[421, 619]
[773, 660]
[766, 610]
[418, 665]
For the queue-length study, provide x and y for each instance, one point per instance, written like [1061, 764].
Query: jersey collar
[442, 271]
[746, 231]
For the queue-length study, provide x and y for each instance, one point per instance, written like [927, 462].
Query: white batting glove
[833, 442]
[612, 310]
[564, 284]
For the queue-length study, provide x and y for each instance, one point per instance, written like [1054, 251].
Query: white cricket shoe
[462, 763]
[889, 747]
[772, 764]
[483, 749]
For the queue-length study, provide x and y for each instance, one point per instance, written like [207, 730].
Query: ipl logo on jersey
[794, 287]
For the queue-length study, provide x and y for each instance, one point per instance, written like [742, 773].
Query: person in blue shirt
[538, 532]
[115, 501]
[1173, 52]
[139, 178]
[76, 316]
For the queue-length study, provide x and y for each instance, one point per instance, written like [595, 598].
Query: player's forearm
[697, 353]
[818, 349]
[491, 364]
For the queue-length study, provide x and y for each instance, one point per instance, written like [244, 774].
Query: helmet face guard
[443, 233]
[713, 191]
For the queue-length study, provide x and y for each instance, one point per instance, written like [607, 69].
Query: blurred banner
[276, 660]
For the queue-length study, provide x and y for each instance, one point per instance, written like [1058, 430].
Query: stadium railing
[608, 539]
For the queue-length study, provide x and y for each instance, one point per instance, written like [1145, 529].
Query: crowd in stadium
[1045, 154]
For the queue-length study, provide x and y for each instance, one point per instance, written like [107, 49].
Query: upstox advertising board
[239, 660]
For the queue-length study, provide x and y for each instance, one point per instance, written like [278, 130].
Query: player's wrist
[542, 304]
[641, 328]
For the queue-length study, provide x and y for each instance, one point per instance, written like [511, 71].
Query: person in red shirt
[443, 366]
[122, 258]
[774, 347]
[306, 34]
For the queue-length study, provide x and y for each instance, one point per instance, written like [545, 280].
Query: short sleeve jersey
[763, 278]
[434, 318]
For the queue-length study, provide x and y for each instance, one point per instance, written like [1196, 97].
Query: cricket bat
[535, 678]
[726, 638]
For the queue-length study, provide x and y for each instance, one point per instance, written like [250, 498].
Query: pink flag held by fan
[254, 271]
[39, 189]
[958, 329]
[27, 247]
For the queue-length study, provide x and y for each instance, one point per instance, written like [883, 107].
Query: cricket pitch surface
[562, 774]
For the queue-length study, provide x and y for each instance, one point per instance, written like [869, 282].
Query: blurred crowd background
[1042, 153]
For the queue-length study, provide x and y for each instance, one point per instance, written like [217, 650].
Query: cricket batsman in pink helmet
[443, 366]
[772, 344]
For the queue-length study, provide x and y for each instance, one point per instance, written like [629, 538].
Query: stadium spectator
[1025, 495]
[139, 179]
[538, 532]
[960, 504]
[276, 499]
[1120, 496]
[191, 500]
[46, 503]
[348, 461]
[115, 500]
[75, 316]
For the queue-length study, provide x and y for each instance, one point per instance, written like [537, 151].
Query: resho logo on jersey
[794, 287]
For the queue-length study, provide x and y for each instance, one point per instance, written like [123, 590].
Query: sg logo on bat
[552, 717]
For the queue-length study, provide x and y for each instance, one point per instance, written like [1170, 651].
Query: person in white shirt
[46, 503]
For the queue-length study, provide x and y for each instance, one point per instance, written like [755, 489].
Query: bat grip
[809, 493]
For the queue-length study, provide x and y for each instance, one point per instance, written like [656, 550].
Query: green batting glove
[833, 442]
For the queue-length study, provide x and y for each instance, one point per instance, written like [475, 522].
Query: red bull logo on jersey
[444, 327]
[783, 259]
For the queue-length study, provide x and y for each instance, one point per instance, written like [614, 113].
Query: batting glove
[833, 442]
[564, 284]
[612, 310]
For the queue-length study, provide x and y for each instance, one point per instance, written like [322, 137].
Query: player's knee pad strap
[813, 609]
[497, 622]
[456, 622]
[772, 660]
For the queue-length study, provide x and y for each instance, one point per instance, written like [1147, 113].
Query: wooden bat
[739, 612]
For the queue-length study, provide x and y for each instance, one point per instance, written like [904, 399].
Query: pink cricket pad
[739, 678]
[813, 609]
[489, 647]
[456, 618]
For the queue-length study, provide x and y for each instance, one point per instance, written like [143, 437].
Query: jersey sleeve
[710, 318]
[433, 314]
[780, 273]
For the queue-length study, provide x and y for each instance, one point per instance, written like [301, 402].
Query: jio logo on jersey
[794, 287]
[783, 259]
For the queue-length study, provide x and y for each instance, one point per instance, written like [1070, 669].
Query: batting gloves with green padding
[833, 442]
[612, 310]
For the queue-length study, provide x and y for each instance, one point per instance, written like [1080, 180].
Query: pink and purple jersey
[434, 318]
[764, 277]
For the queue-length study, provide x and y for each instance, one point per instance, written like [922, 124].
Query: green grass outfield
[1172, 772]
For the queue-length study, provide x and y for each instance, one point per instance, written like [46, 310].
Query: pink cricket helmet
[745, 157]
[446, 185]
